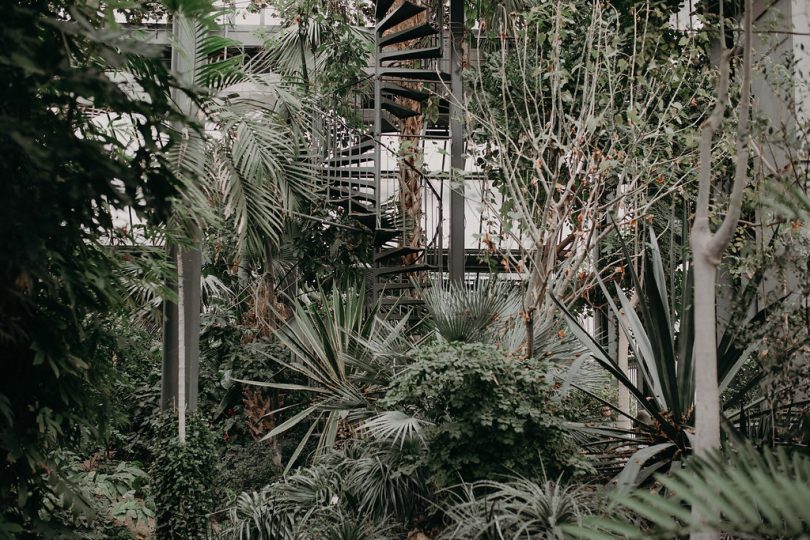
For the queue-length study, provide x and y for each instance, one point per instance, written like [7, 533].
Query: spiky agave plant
[660, 339]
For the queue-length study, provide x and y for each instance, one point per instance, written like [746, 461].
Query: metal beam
[457, 157]
[248, 35]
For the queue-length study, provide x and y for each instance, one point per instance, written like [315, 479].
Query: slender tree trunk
[707, 394]
[181, 352]
[410, 155]
[707, 251]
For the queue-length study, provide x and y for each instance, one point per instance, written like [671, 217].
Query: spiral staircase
[409, 55]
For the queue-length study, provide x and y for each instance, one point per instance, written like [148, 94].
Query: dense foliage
[491, 413]
[67, 171]
[184, 476]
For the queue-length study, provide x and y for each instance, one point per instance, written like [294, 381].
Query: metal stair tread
[343, 160]
[351, 182]
[398, 301]
[350, 172]
[417, 74]
[399, 251]
[388, 124]
[411, 54]
[401, 91]
[402, 13]
[355, 207]
[398, 110]
[359, 148]
[395, 286]
[349, 193]
[422, 30]
[403, 269]
[382, 8]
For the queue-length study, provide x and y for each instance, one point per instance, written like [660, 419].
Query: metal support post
[181, 328]
[457, 157]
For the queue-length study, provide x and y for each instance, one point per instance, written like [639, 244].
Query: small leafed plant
[184, 480]
[491, 413]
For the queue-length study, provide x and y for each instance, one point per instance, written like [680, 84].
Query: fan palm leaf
[328, 343]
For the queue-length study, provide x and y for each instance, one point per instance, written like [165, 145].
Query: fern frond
[743, 493]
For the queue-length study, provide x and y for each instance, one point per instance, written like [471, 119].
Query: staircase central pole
[457, 158]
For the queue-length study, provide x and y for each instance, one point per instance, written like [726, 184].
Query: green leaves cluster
[492, 413]
[184, 479]
[347, 493]
[747, 493]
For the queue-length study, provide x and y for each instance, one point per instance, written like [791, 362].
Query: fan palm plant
[662, 347]
[347, 354]
[480, 312]
[491, 312]
[338, 496]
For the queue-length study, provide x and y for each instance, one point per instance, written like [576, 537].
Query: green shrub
[492, 413]
[185, 476]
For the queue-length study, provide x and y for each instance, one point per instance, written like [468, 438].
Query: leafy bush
[249, 467]
[492, 413]
[97, 499]
[184, 480]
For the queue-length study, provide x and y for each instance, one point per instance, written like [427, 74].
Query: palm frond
[383, 480]
[743, 493]
[262, 169]
[470, 313]
[328, 347]
[395, 426]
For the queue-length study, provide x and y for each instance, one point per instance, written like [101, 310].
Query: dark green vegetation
[490, 412]
[65, 175]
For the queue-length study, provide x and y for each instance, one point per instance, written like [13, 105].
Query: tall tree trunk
[707, 251]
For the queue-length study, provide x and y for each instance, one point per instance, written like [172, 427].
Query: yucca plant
[661, 340]
[744, 493]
